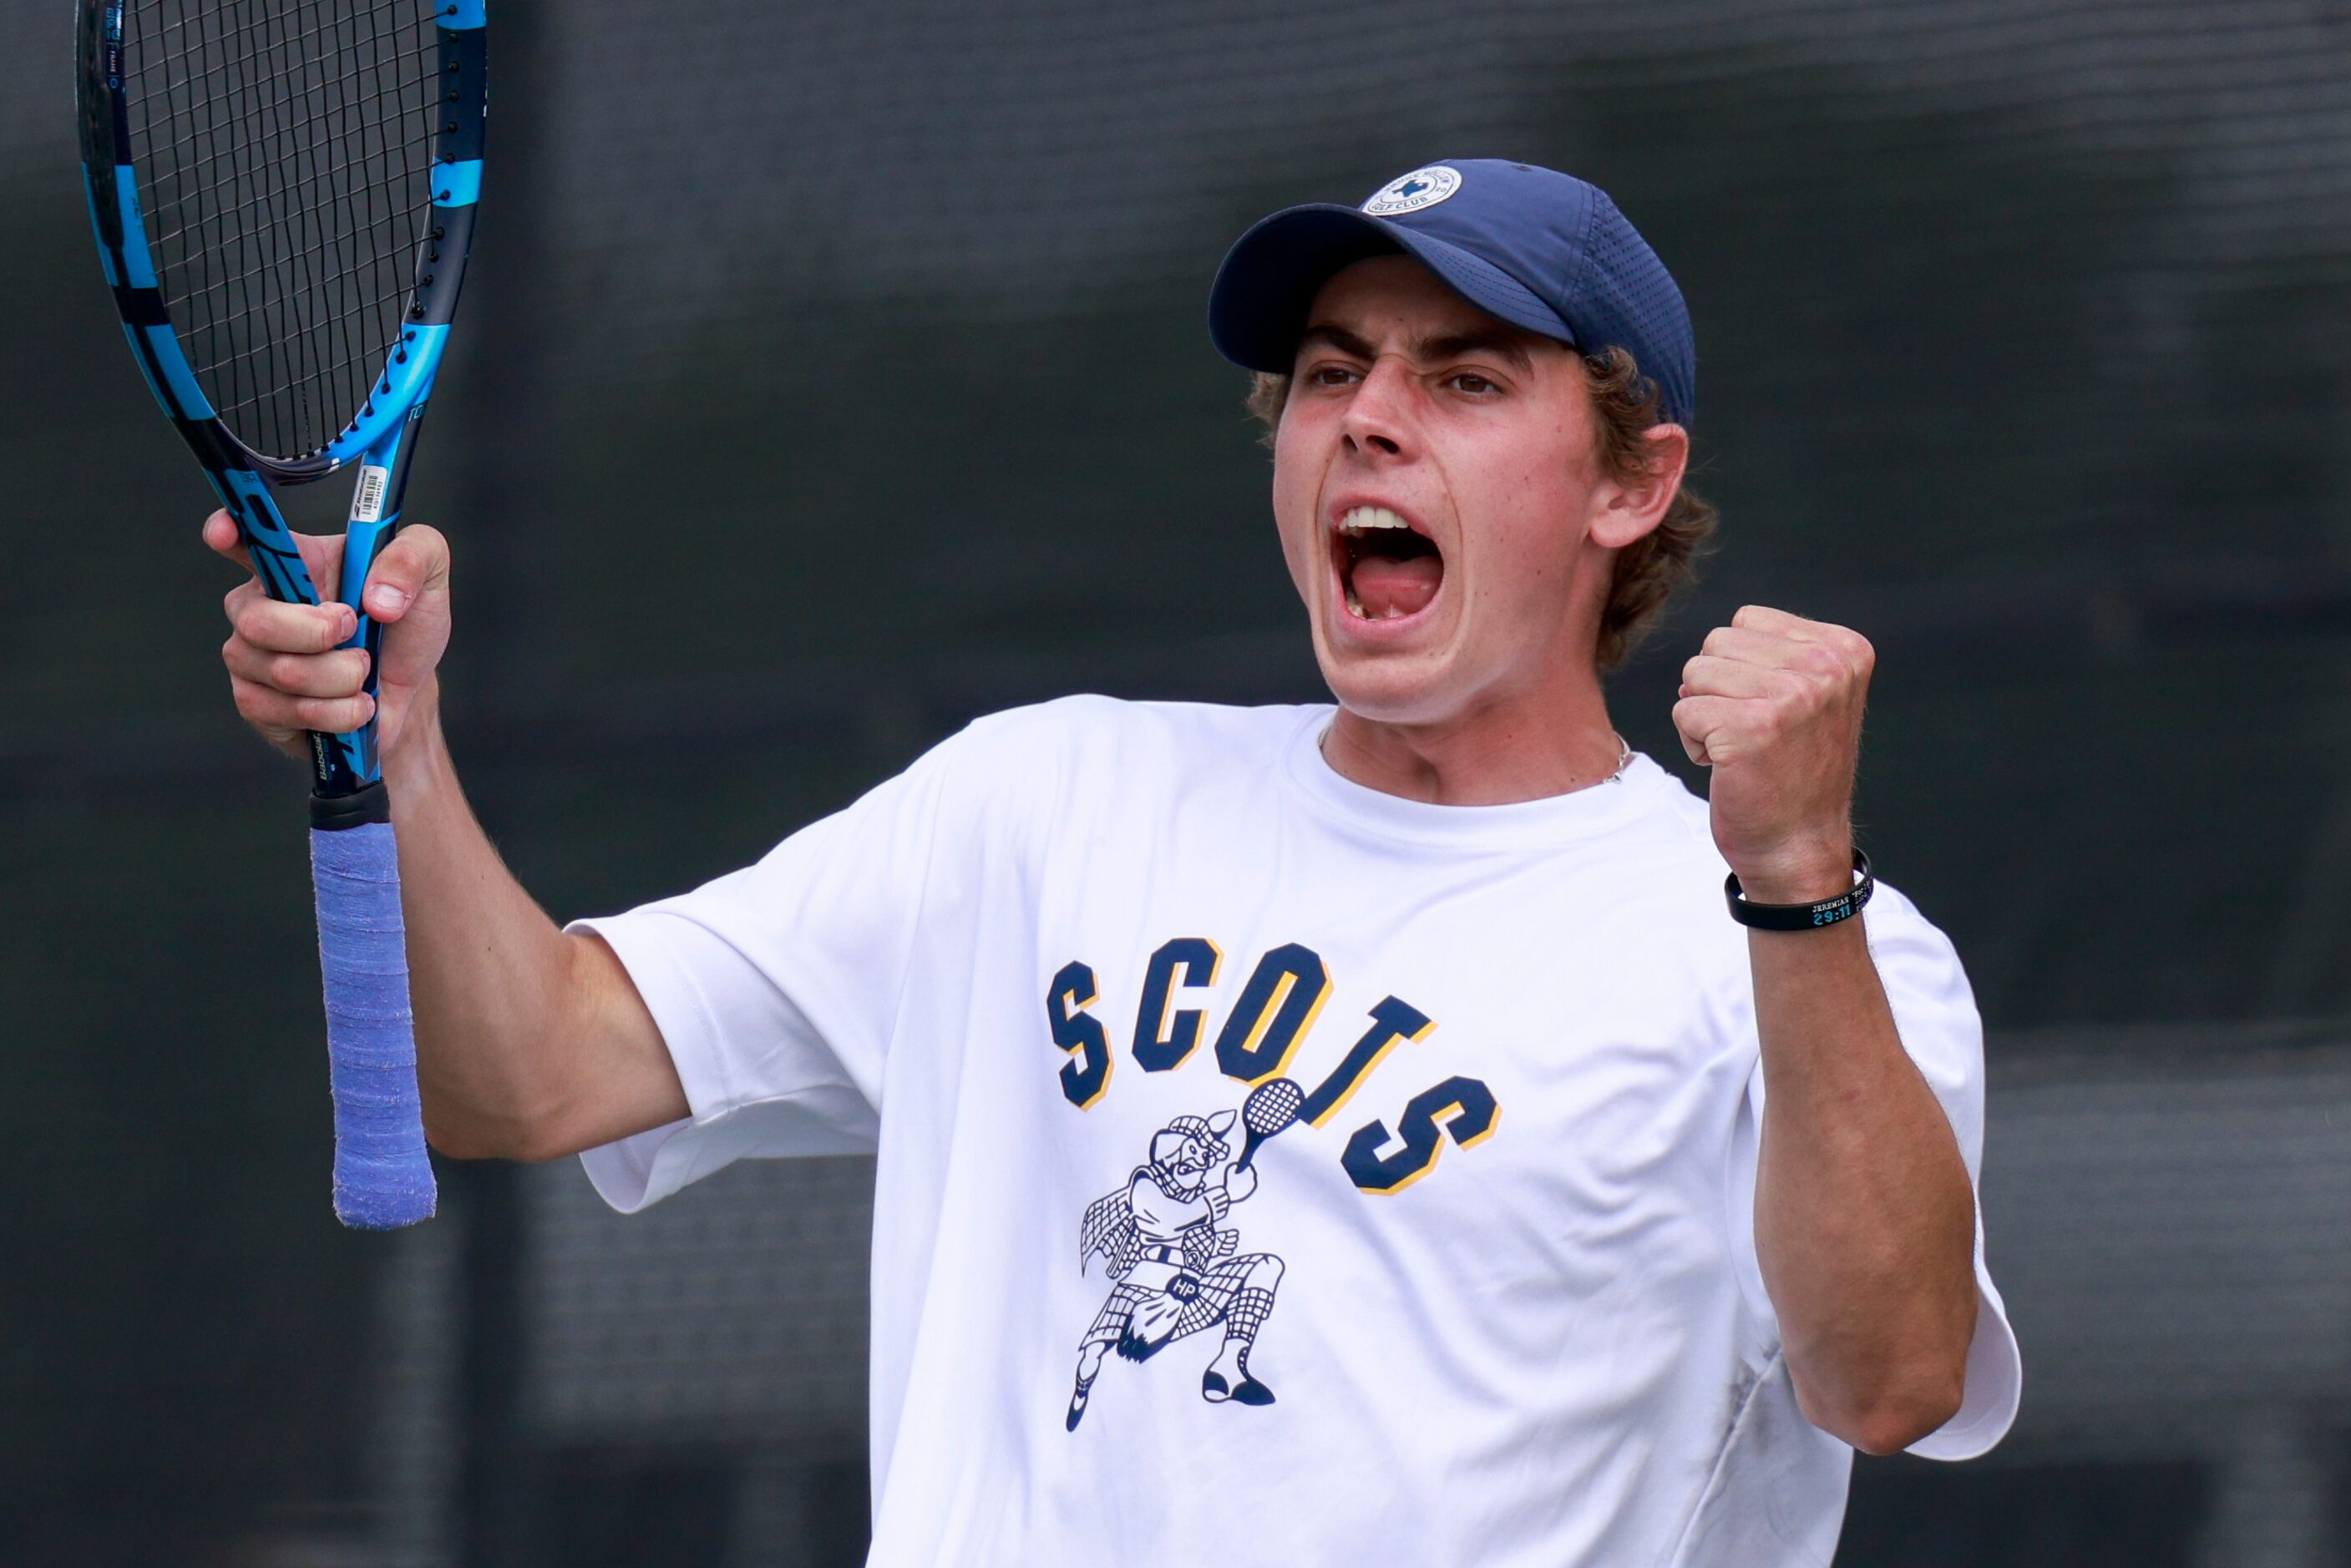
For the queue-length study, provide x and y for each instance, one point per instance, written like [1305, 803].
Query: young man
[1311, 1134]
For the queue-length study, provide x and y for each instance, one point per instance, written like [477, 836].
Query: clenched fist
[1772, 704]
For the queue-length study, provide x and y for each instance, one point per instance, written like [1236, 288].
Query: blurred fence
[831, 373]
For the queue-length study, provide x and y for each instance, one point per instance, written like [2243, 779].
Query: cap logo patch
[1421, 187]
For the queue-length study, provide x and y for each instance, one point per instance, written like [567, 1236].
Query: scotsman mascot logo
[1178, 1268]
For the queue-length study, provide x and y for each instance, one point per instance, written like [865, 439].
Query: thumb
[414, 563]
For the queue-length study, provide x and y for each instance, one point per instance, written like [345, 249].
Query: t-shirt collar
[1591, 812]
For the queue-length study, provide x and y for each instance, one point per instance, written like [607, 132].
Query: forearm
[529, 1042]
[509, 1010]
[1864, 1221]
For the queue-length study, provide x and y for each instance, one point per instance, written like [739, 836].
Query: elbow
[447, 1142]
[1889, 1420]
[513, 1114]
[455, 1139]
[1893, 1427]
[527, 1140]
[1883, 1395]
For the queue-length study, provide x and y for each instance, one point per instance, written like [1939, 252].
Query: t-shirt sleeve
[1935, 1013]
[777, 989]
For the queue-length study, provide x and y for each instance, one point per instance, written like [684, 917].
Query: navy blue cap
[1535, 247]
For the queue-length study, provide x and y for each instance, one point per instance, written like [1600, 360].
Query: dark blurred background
[832, 373]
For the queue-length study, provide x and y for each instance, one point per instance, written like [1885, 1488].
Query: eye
[1471, 382]
[1328, 375]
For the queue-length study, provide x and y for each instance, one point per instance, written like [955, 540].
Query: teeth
[1362, 519]
[1357, 522]
[1355, 607]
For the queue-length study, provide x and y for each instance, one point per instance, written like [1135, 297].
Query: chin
[1389, 689]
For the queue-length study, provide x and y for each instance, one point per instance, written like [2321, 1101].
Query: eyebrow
[1503, 343]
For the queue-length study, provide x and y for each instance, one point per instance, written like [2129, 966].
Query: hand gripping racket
[1270, 1108]
[283, 192]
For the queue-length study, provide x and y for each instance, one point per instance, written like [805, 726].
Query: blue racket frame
[383, 1175]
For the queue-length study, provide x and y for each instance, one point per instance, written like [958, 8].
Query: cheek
[1552, 477]
[1532, 496]
[1297, 487]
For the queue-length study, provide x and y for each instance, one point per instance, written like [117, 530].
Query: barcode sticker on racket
[367, 501]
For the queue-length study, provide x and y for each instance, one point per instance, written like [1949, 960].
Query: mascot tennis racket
[1270, 1108]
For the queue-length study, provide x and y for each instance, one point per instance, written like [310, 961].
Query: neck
[1526, 746]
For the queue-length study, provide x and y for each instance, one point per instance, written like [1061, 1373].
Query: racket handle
[383, 1178]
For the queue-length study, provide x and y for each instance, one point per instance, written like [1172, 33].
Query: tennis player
[1375, 1132]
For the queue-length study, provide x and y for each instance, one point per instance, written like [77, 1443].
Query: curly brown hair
[1651, 570]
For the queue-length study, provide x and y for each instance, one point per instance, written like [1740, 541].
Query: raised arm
[1864, 1221]
[530, 1043]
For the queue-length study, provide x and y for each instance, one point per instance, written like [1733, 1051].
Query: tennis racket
[283, 192]
[1270, 1108]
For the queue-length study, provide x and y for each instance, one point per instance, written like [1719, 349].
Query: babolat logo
[1421, 187]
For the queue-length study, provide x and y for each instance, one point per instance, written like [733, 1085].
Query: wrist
[423, 753]
[1801, 875]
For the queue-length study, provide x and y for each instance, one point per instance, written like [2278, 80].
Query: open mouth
[1388, 569]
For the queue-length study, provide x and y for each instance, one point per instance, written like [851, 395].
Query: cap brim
[1256, 306]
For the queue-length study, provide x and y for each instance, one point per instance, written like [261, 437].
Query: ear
[1628, 511]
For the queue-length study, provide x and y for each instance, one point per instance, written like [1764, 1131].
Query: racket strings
[285, 148]
[256, 362]
[311, 358]
[1272, 1107]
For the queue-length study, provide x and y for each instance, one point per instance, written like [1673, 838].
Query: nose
[1379, 419]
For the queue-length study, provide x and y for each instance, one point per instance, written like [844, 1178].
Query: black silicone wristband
[1802, 917]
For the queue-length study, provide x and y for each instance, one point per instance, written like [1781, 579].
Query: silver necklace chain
[1623, 752]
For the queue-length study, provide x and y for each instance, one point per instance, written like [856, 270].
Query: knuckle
[415, 556]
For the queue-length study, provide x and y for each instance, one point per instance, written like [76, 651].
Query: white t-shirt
[1498, 1276]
